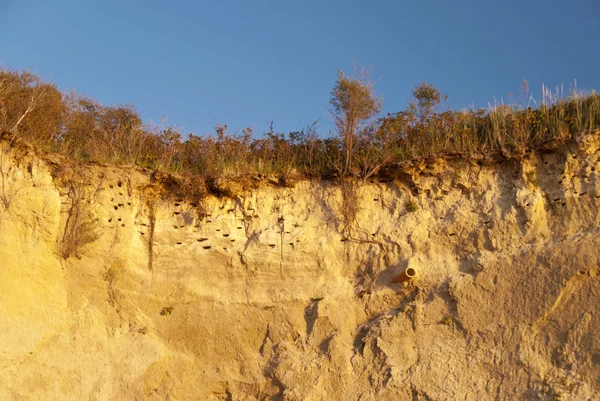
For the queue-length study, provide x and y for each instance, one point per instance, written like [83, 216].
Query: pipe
[406, 275]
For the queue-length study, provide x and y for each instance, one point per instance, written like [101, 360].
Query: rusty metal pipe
[406, 275]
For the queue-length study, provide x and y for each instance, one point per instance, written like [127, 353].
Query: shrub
[29, 107]
[80, 226]
[111, 276]
[86, 130]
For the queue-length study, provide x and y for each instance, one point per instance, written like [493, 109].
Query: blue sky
[249, 62]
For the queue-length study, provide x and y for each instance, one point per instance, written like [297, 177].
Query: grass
[85, 130]
[166, 311]
[411, 206]
[531, 178]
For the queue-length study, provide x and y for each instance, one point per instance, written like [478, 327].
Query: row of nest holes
[117, 206]
[194, 205]
[177, 204]
[216, 229]
[209, 246]
[247, 218]
[119, 219]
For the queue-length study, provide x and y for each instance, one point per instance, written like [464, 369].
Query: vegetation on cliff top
[85, 130]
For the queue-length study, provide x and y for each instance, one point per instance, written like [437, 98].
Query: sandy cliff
[267, 294]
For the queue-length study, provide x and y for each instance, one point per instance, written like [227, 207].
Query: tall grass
[86, 130]
[510, 129]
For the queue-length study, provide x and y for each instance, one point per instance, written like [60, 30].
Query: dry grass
[350, 206]
[111, 277]
[8, 188]
[152, 227]
[86, 130]
[81, 228]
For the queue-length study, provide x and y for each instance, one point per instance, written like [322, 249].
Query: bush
[29, 107]
[86, 130]
[80, 226]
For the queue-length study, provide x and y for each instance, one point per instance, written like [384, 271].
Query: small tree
[353, 103]
[426, 99]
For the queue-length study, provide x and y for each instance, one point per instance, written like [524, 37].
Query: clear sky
[249, 62]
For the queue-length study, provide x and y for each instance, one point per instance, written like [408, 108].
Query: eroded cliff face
[269, 295]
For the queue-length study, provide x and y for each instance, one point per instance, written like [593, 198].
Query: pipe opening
[406, 275]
